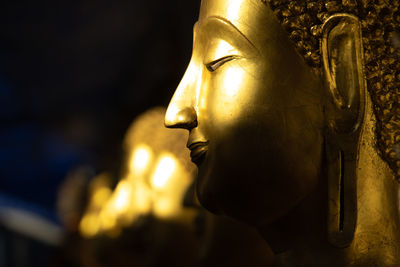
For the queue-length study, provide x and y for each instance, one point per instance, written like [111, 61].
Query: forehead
[254, 19]
[229, 9]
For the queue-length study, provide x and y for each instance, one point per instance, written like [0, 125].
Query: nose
[181, 112]
[184, 118]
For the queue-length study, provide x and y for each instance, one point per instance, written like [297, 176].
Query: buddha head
[271, 83]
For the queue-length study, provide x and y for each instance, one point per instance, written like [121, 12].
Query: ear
[342, 57]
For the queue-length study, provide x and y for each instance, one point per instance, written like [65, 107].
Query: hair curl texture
[380, 22]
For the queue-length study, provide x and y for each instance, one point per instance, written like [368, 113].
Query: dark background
[73, 76]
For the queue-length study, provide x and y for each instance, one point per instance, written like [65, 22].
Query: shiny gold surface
[287, 146]
[227, 105]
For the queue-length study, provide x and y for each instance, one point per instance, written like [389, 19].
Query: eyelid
[215, 64]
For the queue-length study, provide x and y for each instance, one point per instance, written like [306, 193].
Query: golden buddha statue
[293, 115]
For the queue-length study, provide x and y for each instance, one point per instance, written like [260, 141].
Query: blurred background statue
[151, 217]
[72, 78]
[293, 115]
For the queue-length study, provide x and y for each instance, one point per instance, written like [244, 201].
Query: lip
[198, 151]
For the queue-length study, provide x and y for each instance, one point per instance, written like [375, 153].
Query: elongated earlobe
[342, 55]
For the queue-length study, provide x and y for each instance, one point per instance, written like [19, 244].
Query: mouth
[198, 151]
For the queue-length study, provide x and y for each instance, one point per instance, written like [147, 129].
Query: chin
[208, 201]
[205, 190]
[225, 187]
[223, 201]
[233, 200]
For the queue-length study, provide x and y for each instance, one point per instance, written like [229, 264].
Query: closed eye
[213, 65]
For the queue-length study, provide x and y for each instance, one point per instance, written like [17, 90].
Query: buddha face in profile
[257, 101]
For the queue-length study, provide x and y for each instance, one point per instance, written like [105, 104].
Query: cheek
[230, 95]
[254, 169]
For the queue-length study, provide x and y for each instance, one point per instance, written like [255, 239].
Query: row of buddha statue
[292, 110]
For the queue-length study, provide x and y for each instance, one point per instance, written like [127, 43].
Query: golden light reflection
[101, 196]
[89, 225]
[132, 198]
[233, 11]
[122, 197]
[173, 110]
[141, 159]
[164, 207]
[233, 81]
[142, 199]
[107, 218]
[164, 170]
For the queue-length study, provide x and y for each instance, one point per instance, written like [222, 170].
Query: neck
[300, 239]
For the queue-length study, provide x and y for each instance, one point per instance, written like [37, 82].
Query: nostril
[185, 118]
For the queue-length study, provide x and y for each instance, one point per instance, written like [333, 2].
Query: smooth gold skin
[257, 120]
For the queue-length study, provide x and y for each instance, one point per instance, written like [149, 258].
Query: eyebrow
[225, 23]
